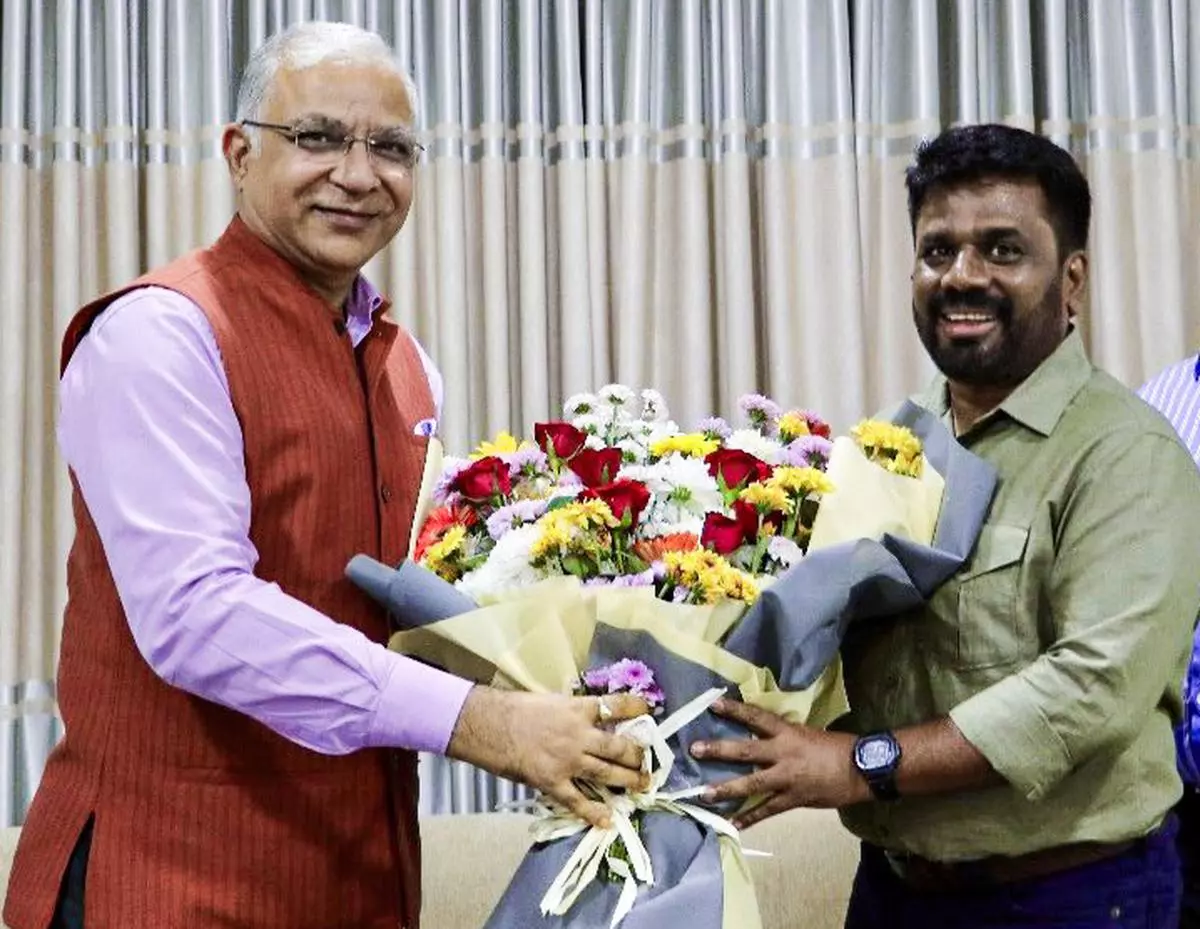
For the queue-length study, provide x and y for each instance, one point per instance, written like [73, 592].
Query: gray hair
[305, 45]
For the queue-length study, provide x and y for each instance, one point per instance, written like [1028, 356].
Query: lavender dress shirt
[148, 427]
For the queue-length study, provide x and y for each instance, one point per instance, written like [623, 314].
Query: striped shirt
[1175, 392]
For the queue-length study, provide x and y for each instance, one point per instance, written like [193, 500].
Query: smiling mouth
[351, 214]
[966, 325]
[968, 317]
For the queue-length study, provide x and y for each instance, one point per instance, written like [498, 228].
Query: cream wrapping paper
[886, 543]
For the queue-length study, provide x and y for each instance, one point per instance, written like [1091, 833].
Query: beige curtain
[704, 196]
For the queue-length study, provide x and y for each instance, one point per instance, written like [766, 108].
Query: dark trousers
[1137, 889]
[1188, 812]
[69, 912]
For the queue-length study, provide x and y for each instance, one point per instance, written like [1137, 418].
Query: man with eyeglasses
[1175, 392]
[239, 746]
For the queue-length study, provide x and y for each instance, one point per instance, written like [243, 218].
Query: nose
[354, 170]
[968, 271]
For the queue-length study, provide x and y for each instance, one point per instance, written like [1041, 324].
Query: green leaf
[573, 564]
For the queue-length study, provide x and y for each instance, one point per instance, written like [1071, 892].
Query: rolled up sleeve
[1122, 597]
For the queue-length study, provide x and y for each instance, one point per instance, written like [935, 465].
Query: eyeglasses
[390, 148]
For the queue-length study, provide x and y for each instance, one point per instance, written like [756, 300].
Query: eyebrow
[988, 234]
[321, 119]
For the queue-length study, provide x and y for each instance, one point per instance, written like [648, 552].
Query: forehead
[983, 203]
[358, 95]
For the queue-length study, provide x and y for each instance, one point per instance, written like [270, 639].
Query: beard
[1007, 354]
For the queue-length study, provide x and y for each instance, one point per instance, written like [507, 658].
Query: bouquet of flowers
[617, 552]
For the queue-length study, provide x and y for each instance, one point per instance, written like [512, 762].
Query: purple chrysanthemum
[526, 462]
[596, 678]
[808, 451]
[442, 493]
[629, 675]
[762, 412]
[520, 513]
[644, 579]
[714, 427]
[654, 697]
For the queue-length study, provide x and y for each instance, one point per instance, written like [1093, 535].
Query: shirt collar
[1040, 400]
[364, 301]
[363, 307]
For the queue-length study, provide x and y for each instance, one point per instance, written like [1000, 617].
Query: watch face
[874, 754]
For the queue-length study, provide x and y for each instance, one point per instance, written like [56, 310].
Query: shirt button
[385, 493]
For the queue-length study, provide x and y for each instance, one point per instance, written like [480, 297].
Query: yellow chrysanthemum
[800, 482]
[504, 443]
[893, 447]
[578, 526]
[709, 577]
[441, 556]
[691, 445]
[767, 498]
[554, 539]
[585, 514]
[792, 426]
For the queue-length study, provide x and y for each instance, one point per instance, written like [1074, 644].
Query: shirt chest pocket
[991, 626]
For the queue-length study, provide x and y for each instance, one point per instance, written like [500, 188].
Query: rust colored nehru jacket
[204, 817]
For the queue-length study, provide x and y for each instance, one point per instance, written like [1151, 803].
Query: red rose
[817, 426]
[563, 439]
[596, 466]
[747, 517]
[483, 480]
[725, 534]
[722, 534]
[622, 497]
[736, 467]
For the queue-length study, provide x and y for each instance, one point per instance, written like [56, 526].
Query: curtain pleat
[702, 196]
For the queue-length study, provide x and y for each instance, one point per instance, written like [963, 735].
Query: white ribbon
[595, 848]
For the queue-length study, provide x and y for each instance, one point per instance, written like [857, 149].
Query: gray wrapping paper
[795, 629]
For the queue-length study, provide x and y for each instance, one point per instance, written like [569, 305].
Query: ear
[1075, 282]
[235, 145]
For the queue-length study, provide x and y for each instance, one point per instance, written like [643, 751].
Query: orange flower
[651, 550]
[436, 524]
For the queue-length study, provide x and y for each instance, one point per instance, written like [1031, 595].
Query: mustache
[943, 303]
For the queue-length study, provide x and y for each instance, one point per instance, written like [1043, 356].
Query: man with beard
[1175, 392]
[1009, 758]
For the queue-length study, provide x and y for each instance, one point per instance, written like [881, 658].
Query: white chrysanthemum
[681, 492]
[580, 405]
[757, 444]
[656, 431]
[670, 522]
[507, 567]
[785, 551]
[617, 395]
[692, 487]
[589, 423]
[654, 476]
[654, 406]
[632, 450]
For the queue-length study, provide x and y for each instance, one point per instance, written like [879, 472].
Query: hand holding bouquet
[719, 560]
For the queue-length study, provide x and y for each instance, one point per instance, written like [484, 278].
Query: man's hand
[802, 766]
[548, 740]
[797, 765]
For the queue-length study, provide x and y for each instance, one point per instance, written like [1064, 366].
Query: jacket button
[385, 493]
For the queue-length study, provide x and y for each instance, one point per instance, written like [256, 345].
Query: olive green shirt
[1060, 646]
